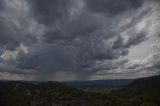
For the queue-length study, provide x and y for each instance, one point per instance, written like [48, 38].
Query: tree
[148, 104]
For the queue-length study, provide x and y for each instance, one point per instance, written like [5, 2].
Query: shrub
[148, 104]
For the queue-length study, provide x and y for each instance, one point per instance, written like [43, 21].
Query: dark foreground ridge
[148, 85]
[45, 94]
[141, 92]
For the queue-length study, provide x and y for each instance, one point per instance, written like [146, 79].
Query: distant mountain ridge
[99, 83]
[90, 83]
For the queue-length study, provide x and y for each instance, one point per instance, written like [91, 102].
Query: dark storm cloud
[1, 51]
[1, 5]
[11, 38]
[113, 7]
[48, 11]
[14, 28]
[7, 37]
[156, 61]
[136, 19]
[157, 65]
[134, 40]
[53, 36]
[74, 36]
[48, 60]
[1, 61]
[134, 66]
[109, 65]
[118, 43]
[53, 56]
[81, 27]
[13, 70]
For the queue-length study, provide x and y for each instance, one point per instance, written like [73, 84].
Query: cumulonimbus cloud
[82, 37]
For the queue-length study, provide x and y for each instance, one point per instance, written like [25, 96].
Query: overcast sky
[79, 39]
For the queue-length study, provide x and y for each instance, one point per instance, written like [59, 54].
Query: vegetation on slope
[142, 92]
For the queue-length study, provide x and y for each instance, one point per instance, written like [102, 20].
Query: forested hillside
[142, 92]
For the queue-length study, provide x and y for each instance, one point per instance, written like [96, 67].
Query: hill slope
[141, 92]
[148, 85]
[45, 94]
